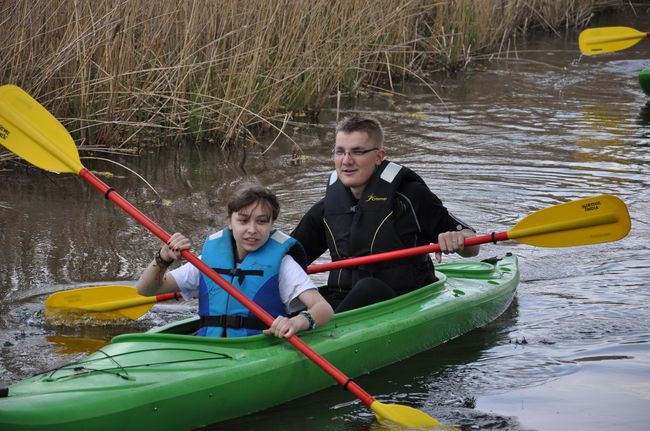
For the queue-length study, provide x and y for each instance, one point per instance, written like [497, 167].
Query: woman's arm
[320, 310]
[317, 307]
[154, 280]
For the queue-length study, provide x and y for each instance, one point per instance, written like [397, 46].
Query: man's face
[356, 157]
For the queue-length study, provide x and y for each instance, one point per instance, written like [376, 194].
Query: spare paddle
[601, 40]
[31, 132]
[103, 302]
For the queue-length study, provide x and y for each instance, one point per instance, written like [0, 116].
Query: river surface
[512, 136]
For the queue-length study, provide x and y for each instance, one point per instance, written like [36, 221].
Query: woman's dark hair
[249, 194]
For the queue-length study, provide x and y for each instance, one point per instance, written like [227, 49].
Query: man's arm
[310, 232]
[453, 242]
[437, 224]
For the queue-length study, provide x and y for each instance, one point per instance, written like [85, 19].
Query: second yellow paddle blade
[594, 220]
[403, 416]
[601, 40]
[28, 130]
[99, 303]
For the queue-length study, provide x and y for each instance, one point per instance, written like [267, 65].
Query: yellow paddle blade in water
[601, 40]
[28, 130]
[586, 221]
[99, 302]
[403, 416]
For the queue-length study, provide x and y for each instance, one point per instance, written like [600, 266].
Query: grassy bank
[122, 72]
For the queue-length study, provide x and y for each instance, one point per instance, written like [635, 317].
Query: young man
[372, 206]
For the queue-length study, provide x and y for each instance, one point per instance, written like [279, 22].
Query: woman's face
[251, 227]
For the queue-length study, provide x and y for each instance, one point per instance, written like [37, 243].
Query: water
[513, 136]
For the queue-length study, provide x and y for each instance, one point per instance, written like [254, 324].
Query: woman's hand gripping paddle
[31, 132]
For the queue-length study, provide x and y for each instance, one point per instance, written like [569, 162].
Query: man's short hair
[361, 123]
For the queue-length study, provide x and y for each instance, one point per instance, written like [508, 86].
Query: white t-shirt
[292, 279]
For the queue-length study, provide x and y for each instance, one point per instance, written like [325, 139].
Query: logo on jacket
[372, 197]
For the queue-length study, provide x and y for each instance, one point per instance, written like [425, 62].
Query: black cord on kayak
[493, 240]
[347, 382]
[108, 192]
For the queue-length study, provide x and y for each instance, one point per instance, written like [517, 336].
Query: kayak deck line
[82, 368]
[166, 389]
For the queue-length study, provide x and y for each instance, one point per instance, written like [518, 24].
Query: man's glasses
[340, 153]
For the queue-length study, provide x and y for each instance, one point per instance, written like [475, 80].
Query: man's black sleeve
[432, 215]
[310, 232]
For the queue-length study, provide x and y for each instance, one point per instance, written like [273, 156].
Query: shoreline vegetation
[126, 74]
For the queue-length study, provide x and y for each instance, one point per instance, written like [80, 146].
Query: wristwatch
[309, 317]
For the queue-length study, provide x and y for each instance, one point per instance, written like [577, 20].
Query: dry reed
[122, 73]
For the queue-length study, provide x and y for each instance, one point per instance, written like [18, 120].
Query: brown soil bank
[119, 71]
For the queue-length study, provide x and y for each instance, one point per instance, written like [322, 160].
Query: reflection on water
[644, 120]
[511, 139]
[67, 345]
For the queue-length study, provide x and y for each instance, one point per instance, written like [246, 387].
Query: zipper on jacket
[336, 249]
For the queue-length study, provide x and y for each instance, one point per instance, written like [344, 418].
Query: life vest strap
[234, 322]
[239, 273]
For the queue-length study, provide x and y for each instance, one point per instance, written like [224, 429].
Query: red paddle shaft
[110, 194]
[398, 254]
[168, 296]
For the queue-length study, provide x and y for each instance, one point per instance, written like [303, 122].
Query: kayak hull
[164, 380]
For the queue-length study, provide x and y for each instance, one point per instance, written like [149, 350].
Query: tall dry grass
[123, 72]
[457, 31]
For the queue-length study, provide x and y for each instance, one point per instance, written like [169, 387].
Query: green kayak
[644, 80]
[167, 380]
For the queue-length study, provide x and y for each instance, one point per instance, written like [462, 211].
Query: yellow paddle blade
[592, 220]
[594, 41]
[99, 302]
[32, 133]
[403, 416]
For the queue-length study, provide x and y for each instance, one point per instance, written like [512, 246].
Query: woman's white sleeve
[293, 281]
[187, 279]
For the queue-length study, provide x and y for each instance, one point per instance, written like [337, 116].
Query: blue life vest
[257, 277]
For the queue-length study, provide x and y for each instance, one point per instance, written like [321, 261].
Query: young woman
[255, 258]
